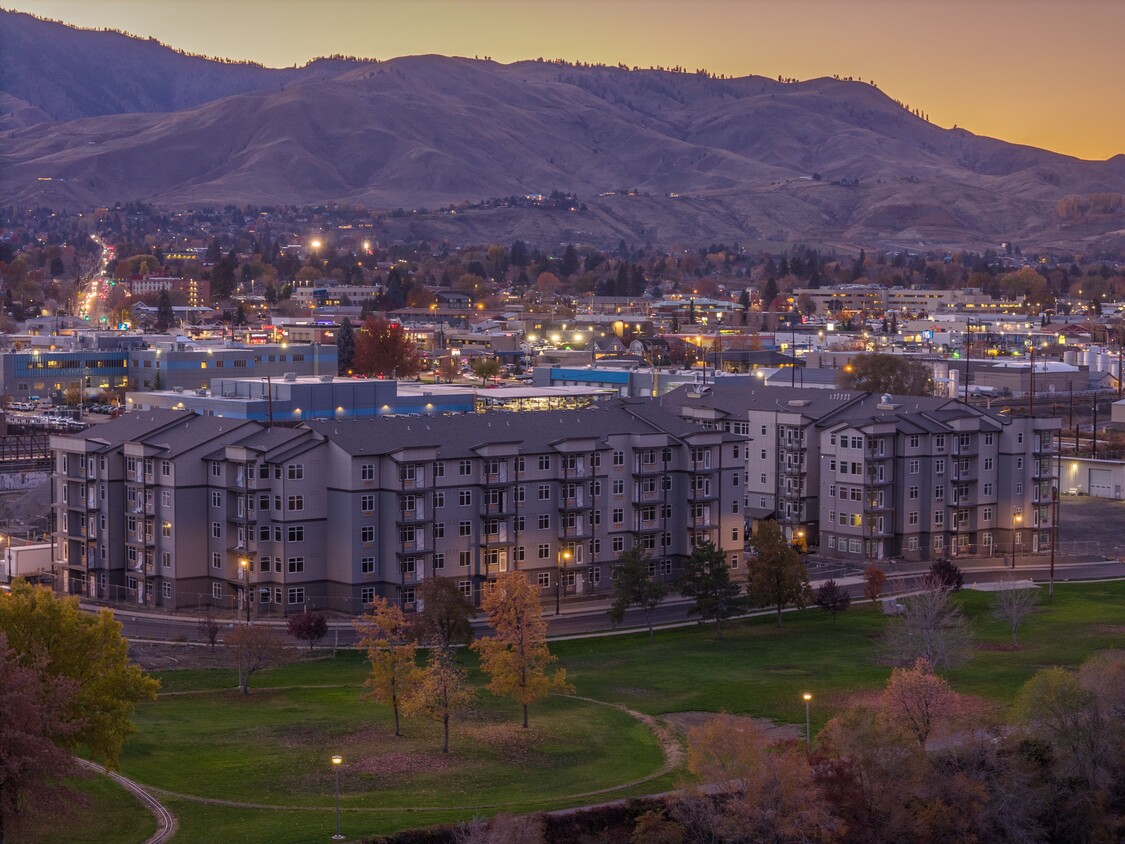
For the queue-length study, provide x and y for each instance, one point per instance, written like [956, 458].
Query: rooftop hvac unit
[289, 376]
[325, 379]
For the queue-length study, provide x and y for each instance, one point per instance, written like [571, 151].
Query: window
[939, 542]
[912, 493]
[764, 453]
[521, 494]
[986, 514]
[296, 594]
[296, 502]
[915, 465]
[1019, 462]
[618, 544]
[465, 468]
[439, 530]
[367, 533]
[216, 590]
[295, 471]
[988, 464]
[166, 530]
[408, 565]
[939, 467]
[939, 518]
[987, 489]
[1019, 487]
[544, 551]
[296, 565]
[465, 559]
[367, 594]
[912, 518]
[367, 503]
[939, 442]
[367, 472]
[520, 464]
[939, 492]
[466, 587]
[439, 469]
[297, 533]
[408, 594]
[216, 498]
[216, 530]
[277, 569]
[519, 524]
[544, 492]
[216, 469]
[619, 487]
[619, 458]
[521, 553]
[914, 441]
[464, 528]
[543, 579]
[166, 589]
[216, 560]
[439, 499]
[1019, 437]
[988, 439]
[544, 521]
[465, 497]
[544, 463]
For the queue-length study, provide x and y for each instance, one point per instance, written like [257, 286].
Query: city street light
[563, 556]
[336, 761]
[245, 564]
[807, 696]
[1015, 535]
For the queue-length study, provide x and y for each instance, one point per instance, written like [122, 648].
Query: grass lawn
[113, 815]
[202, 738]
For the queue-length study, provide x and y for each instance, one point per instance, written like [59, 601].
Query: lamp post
[563, 555]
[807, 697]
[245, 566]
[1015, 536]
[336, 761]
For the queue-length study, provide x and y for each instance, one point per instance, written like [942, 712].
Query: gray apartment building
[867, 477]
[172, 509]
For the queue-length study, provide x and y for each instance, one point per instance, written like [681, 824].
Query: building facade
[172, 509]
[869, 477]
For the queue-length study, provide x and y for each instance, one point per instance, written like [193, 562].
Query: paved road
[592, 616]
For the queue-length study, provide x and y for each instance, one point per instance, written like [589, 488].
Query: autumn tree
[777, 575]
[764, 794]
[37, 730]
[445, 618]
[930, 627]
[634, 586]
[440, 691]
[873, 580]
[252, 647]
[830, 597]
[308, 627]
[516, 656]
[879, 373]
[486, 368]
[384, 349]
[1012, 605]
[386, 636]
[706, 579]
[919, 700]
[448, 368]
[86, 649]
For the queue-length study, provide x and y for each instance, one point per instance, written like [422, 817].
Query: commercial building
[863, 476]
[172, 509]
[192, 366]
[45, 373]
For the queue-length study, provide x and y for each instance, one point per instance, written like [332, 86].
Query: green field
[204, 742]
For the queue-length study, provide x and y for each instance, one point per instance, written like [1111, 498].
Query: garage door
[1101, 483]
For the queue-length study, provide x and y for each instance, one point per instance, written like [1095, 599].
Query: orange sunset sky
[1050, 73]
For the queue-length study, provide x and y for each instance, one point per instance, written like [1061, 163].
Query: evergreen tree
[706, 578]
[568, 266]
[345, 347]
[165, 315]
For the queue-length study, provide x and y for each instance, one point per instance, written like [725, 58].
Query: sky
[1049, 73]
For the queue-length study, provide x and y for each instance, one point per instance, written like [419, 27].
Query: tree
[944, 575]
[441, 691]
[831, 598]
[777, 575]
[932, 627]
[920, 700]
[873, 580]
[516, 656]
[449, 368]
[764, 794]
[36, 733]
[165, 315]
[383, 349]
[345, 347]
[633, 586]
[252, 647]
[1055, 707]
[879, 373]
[706, 579]
[86, 648]
[444, 619]
[386, 636]
[1012, 605]
[309, 627]
[208, 627]
[486, 368]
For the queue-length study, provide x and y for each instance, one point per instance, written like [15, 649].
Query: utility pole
[1031, 385]
[1094, 432]
[1054, 536]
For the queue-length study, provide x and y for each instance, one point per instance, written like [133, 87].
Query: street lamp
[807, 697]
[1015, 535]
[563, 556]
[336, 761]
[245, 565]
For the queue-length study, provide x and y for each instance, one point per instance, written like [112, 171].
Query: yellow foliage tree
[441, 691]
[516, 657]
[386, 636]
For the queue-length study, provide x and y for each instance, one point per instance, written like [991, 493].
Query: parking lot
[1087, 523]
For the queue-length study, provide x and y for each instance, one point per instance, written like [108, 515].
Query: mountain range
[89, 118]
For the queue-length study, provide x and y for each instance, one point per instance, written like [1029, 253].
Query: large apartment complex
[171, 509]
[864, 476]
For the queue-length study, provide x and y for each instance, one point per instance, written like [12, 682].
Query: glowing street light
[336, 762]
[807, 697]
[564, 557]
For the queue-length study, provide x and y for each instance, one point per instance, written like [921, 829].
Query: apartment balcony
[971, 449]
[643, 470]
[874, 479]
[652, 495]
[499, 478]
[581, 501]
[412, 547]
[417, 482]
[963, 474]
[502, 536]
[418, 514]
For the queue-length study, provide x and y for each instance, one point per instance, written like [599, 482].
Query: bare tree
[1013, 604]
[502, 829]
[930, 627]
[209, 628]
[253, 647]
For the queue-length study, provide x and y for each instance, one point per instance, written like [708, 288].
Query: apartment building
[866, 476]
[171, 509]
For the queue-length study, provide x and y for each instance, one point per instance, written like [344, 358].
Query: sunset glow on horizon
[1035, 72]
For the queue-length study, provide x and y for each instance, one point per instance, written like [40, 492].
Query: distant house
[454, 299]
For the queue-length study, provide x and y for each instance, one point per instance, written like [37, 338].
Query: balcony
[576, 502]
[640, 495]
[418, 514]
[502, 536]
[497, 478]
